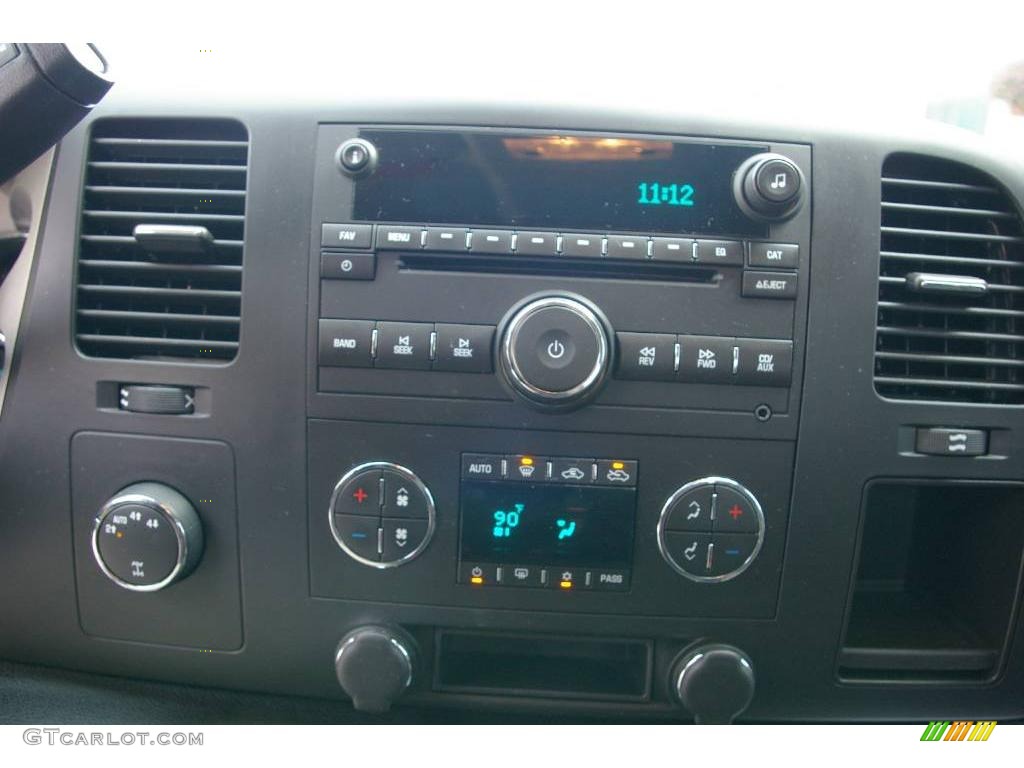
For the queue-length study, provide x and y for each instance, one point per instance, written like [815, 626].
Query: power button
[555, 350]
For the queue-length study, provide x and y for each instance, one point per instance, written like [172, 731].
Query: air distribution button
[555, 351]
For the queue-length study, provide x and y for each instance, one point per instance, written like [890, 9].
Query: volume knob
[769, 187]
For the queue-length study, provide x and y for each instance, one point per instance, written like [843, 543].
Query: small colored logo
[961, 730]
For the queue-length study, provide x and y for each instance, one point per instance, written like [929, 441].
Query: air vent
[951, 287]
[160, 255]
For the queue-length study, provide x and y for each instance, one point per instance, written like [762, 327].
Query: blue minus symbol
[732, 551]
[359, 535]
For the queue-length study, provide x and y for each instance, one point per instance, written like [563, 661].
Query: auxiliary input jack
[763, 412]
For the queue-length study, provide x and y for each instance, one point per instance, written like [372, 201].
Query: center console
[554, 372]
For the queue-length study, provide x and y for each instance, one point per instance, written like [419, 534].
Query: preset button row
[574, 244]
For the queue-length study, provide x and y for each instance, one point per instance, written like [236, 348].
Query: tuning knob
[555, 351]
[375, 666]
[147, 537]
[769, 187]
[714, 682]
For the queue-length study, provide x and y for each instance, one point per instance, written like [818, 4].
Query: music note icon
[779, 182]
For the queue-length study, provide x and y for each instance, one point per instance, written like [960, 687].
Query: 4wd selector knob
[147, 537]
[555, 351]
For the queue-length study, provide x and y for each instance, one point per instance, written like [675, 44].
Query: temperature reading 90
[654, 193]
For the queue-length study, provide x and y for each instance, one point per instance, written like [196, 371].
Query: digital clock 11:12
[664, 194]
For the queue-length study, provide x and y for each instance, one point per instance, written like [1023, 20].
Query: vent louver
[951, 285]
[176, 293]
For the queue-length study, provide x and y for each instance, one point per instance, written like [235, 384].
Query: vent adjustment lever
[157, 399]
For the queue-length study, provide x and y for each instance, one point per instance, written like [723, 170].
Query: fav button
[403, 345]
[346, 235]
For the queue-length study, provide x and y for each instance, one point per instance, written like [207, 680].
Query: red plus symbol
[360, 495]
[736, 512]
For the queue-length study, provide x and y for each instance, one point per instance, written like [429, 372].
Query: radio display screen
[554, 181]
[546, 524]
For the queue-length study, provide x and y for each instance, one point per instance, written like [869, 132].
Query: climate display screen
[554, 181]
[530, 523]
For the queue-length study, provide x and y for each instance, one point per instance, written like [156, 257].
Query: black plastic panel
[259, 404]
[435, 455]
[204, 610]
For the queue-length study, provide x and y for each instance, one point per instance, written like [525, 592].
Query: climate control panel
[710, 530]
[381, 514]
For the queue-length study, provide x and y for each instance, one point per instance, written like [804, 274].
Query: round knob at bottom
[375, 666]
[714, 682]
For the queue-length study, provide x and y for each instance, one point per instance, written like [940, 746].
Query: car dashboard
[562, 411]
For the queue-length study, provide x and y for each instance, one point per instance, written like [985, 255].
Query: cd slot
[596, 268]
